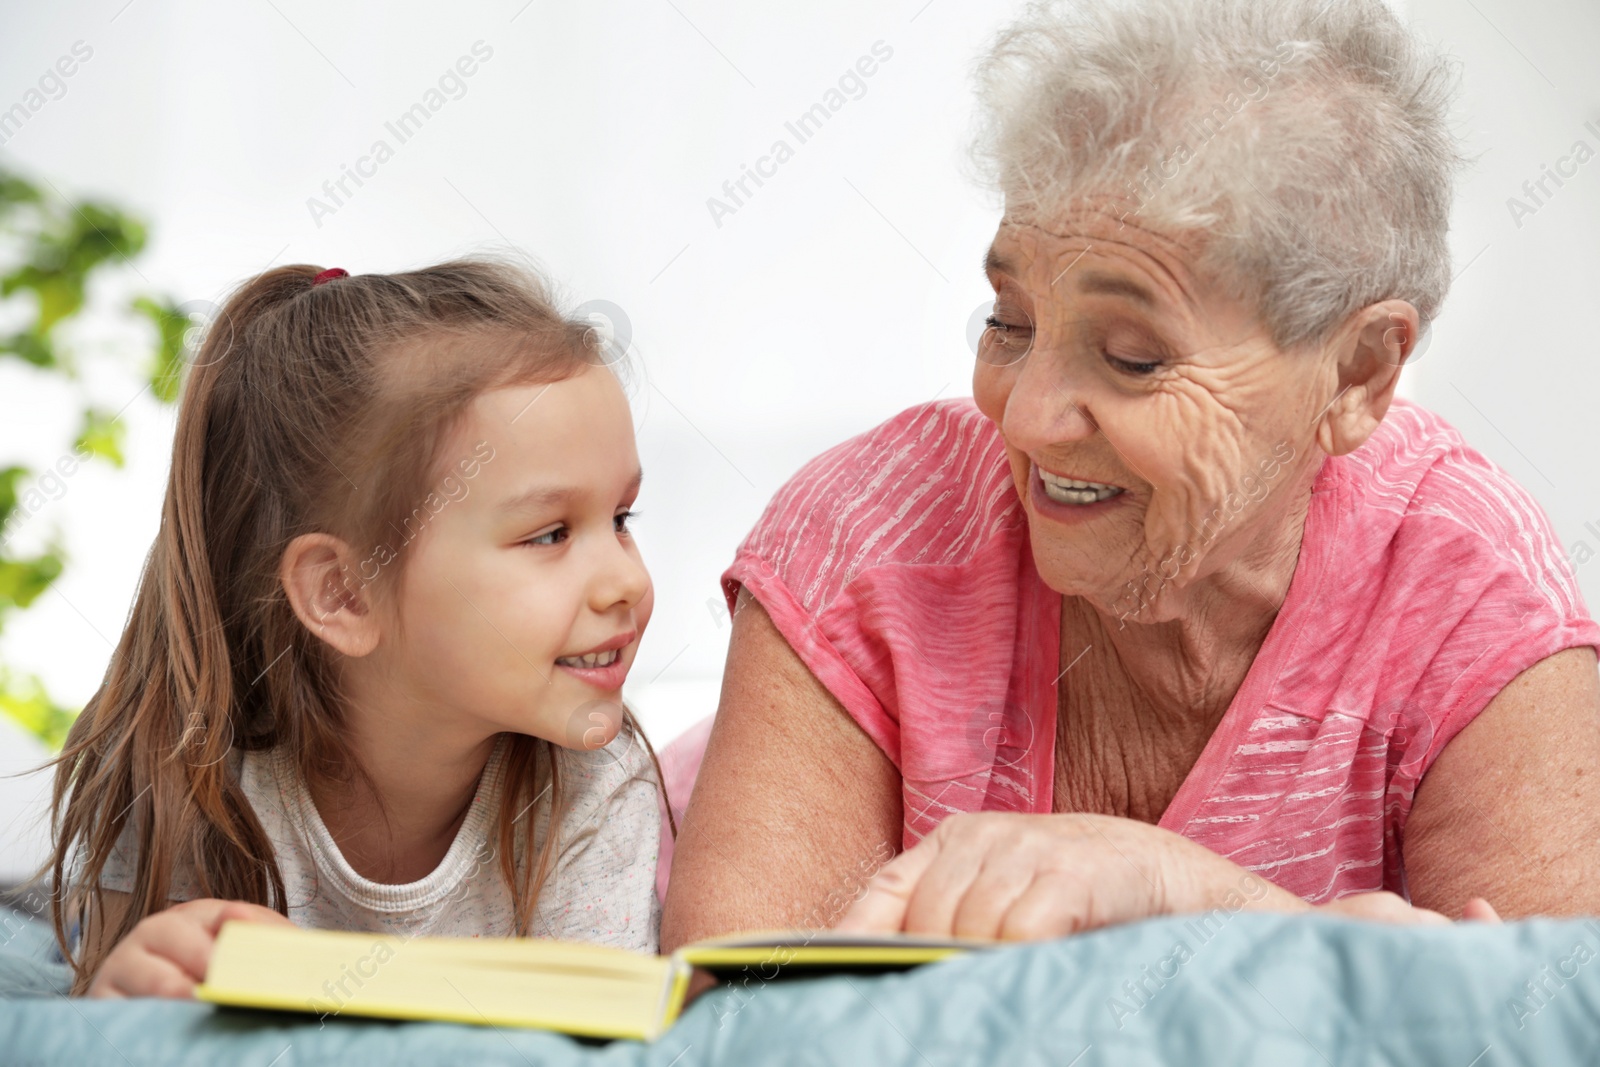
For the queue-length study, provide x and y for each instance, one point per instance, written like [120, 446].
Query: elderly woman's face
[1153, 428]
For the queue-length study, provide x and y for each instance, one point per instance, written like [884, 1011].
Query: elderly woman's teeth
[596, 659]
[1071, 491]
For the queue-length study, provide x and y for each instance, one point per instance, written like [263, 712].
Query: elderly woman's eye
[1132, 368]
[1011, 334]
[1005, 343]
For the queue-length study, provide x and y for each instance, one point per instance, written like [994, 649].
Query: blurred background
[192, 145]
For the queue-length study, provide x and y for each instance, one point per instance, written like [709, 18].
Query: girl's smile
[605, 666]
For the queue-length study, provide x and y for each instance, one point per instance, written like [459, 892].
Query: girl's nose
[622, 578]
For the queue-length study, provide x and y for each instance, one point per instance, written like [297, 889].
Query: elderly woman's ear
[1368, 354]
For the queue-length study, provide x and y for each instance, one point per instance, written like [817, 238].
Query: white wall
[1513, 361]
[836, 295]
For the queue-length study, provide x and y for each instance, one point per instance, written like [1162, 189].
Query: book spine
[673, 993]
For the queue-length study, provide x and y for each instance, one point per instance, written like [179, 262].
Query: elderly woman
[1183, 609]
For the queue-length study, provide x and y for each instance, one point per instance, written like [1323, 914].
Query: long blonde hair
[374, 370]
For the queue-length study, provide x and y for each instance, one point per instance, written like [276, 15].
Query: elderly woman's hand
[1029, 877]
[1024, 877]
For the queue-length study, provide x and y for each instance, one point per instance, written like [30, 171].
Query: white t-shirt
[601, 889]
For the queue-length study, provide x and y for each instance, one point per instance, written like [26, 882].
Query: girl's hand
[167, 953]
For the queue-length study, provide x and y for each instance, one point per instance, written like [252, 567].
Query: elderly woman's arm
[794, 808]
[1510, 810]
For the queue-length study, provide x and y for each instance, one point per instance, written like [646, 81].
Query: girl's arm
[794, 807]
[167, 953]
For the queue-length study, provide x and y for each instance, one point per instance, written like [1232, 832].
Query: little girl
[378, 648]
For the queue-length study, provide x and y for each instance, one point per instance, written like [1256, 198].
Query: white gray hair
[1309, 137]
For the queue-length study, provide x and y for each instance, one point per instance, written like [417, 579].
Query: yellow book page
[574, 988]
[822, 950]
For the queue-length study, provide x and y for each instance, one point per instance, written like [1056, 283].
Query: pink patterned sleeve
[791, 564]
[866, 560]
[1513, 601]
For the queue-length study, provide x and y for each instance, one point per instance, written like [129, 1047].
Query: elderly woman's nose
[1048, 403]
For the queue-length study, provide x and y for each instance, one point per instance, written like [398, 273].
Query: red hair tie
[329, 275]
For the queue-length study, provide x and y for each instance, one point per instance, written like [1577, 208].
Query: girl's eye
[1132, 368]
[549, 537]
[622, 520]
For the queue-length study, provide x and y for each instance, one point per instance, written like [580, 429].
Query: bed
[1243, 989]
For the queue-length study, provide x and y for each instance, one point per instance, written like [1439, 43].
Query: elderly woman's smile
[1077, 493]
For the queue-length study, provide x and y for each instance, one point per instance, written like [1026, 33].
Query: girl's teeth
[596, 659]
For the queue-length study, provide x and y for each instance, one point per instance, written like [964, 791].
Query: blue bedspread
[1261, 989]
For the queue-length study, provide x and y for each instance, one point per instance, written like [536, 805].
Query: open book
[576, 988]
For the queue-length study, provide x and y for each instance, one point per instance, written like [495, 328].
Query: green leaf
[60, 296]
[15, 189]
[102, 436]
[60, 293]
[53, 249]
[30, 347]
[172, 326]
[26, 702]
[76, 240]
[16, 194]
[9, 477]
[100, 232]
[22, 581]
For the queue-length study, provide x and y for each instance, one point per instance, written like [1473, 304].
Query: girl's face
[525, 596]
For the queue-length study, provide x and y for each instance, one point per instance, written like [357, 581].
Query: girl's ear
[325, 594]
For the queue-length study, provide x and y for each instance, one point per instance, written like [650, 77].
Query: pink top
[898, 566]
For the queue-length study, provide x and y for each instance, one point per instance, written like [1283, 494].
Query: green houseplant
[51, 250]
